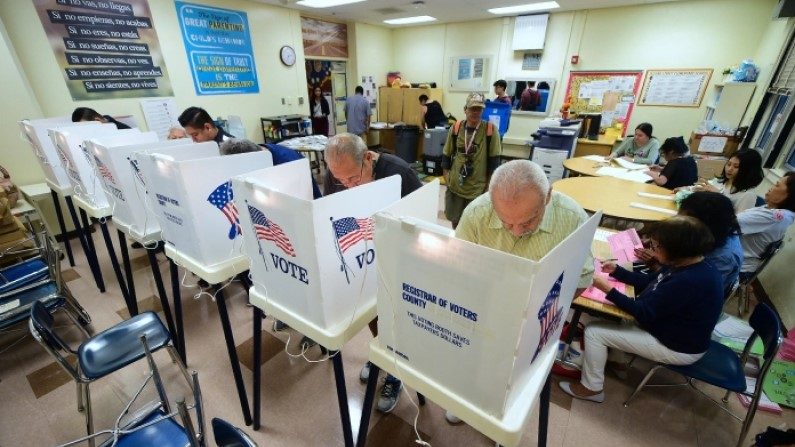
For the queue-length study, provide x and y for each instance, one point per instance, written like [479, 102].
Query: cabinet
[403, 104]
[729, 102]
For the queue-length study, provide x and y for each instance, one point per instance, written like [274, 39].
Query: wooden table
[602, 146]
[584, 166]
[613, 196]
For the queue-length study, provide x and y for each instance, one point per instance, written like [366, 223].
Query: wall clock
[287, 55]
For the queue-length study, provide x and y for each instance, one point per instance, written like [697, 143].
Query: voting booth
[79, 169]
[36, 133]
[313, 260]
[123, 181]
[473, 328]
[190, 191]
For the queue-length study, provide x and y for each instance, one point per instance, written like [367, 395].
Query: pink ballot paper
[596, 294]
[623, 245]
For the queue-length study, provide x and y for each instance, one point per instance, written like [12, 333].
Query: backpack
[457, 128]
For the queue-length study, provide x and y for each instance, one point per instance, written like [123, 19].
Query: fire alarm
[574, 59]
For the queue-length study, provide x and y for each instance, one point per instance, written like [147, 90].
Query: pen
[608, 260]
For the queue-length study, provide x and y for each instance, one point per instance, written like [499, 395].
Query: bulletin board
[470, 73]
[611, 93]
[675, 88]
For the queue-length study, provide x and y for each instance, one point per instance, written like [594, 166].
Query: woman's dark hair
[749, 174]
[84, 114]
[545, 86]
[682, 237]
[645, 128]
[500, 83]
[674, 144]
[195, 117]
[789, 204]
[716, 212]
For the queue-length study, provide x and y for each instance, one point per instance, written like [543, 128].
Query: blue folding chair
[104, 353]
[721, 366]
[227, 435]
[743, 296]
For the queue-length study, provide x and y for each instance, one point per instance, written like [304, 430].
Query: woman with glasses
[675, 312]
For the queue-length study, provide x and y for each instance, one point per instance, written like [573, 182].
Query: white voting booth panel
[79, 168]
[193, 201]
[472, 319]
[124, 184]
[35, 131]
[312, 261]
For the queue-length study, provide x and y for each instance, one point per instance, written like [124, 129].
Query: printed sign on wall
[106, 49]
[219, 49]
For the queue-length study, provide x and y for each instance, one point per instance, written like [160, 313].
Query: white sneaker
[364, 374]
[451, 418]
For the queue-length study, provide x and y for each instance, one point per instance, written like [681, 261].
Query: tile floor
[299, 406]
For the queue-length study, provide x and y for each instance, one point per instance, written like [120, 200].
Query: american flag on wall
[549, 315]
[350, 230]
[268, 230]
[103, 170]
[221, 198]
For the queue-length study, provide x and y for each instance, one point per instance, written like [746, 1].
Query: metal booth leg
[87, 250]
[161, 292]
[543, 414]
[62, 226]
[342, 399]
[367, 405]
[220, 301]
[132, 306]
[177, 297]
[257, 367]
[128, 273]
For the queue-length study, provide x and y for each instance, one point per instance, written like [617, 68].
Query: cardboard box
[709, 167]
[730, 144]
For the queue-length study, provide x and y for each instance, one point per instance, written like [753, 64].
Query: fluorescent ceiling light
[326, 3]
[543, 6]
[407, 20]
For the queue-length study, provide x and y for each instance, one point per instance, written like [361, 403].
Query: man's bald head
[519, 191]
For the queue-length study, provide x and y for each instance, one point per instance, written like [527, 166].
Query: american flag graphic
[104, 171]
[221, 198]
[350, 230]
[268, 230]
[137, 170]
[549, 315]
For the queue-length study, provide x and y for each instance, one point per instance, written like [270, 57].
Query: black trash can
[406, 138]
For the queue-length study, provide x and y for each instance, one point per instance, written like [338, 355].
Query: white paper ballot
[598, 158]
[656, 196]
[652, 208]
[629, 165]
[468, 318]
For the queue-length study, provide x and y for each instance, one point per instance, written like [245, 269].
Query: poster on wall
[106, 49]
[324, 39]
[370, 90]
[218, 46]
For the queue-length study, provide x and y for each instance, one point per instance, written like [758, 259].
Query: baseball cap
[475, 99]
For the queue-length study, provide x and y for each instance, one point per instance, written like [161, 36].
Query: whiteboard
[470, 73]
[675, 88]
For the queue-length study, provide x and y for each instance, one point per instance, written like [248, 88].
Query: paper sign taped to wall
[712, 144]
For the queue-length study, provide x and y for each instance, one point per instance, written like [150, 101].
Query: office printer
[553, 142]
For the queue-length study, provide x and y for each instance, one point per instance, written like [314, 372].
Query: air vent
[388, 11]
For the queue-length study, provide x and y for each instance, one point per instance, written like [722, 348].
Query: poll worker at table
[471, 153]
[350, 164]
[680, 169]
[199, 125]
[716, 212]
[521, 215]
[82, 114]
[320, 110]
[279, 153]
[643, 148]
[765, 224]
[432, 112]
[738, 180]
[675, 312]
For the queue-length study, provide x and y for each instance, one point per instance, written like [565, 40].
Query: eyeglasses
[352, 180]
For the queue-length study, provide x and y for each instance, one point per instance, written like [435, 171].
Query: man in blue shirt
[357, 113]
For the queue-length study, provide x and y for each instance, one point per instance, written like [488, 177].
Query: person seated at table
[675, 312]
[740, 176]
[643, 148]
[199, 125]
[280, 154]
[82, 114]
[680, 169]
[765, 224]
[432, 112]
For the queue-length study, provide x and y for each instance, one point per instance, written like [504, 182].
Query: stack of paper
[624, 244]
[626, 174]
[765, 404]
[629, 165]
[596, 294]
[597, 158]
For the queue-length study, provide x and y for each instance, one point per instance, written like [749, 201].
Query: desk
[613, 196]
[583, 166]
[602, 146]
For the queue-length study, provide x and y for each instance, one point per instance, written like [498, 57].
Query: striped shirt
[479, 224]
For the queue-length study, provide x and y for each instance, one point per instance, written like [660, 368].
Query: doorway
[331, 77]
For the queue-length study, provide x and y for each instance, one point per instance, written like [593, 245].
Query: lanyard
[468, 144]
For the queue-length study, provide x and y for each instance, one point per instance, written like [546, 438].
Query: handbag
[574, 355]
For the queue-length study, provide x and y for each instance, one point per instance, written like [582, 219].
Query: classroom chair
[227, 435]
[746, 280]
[104, 353]
[721, 366]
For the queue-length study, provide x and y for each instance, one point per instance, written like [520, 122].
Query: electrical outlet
[300, 100]
[284, 101]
